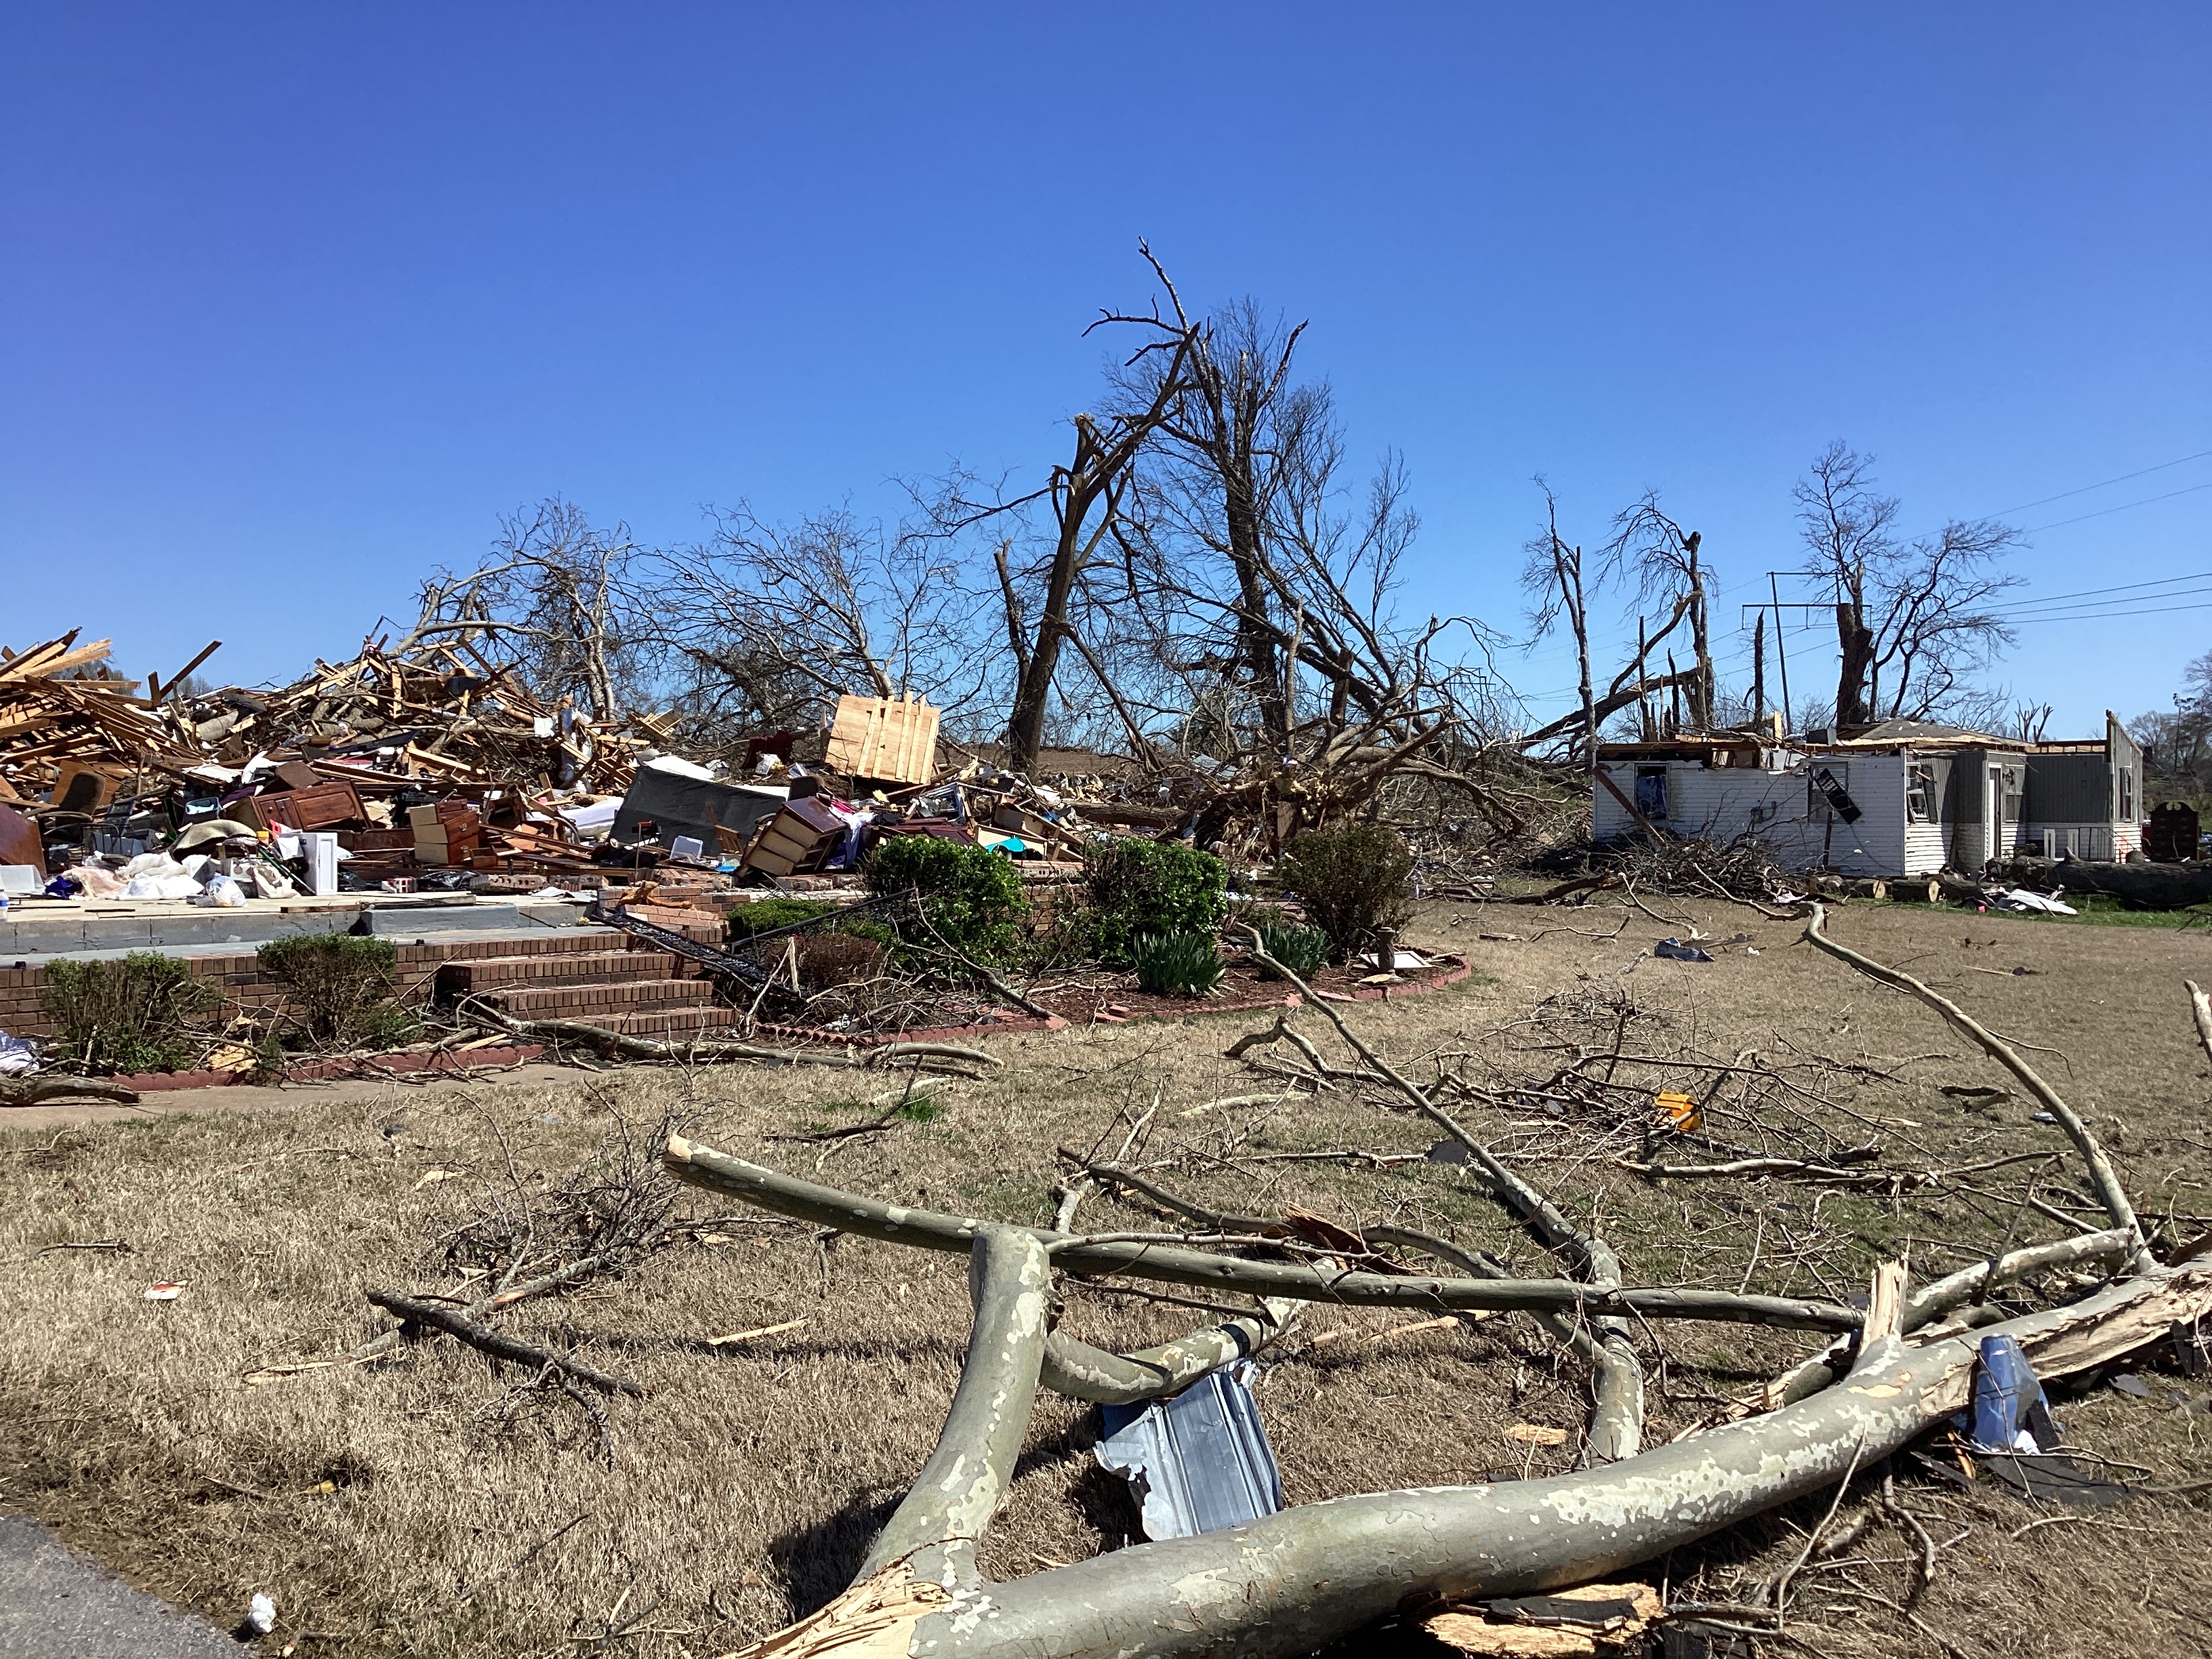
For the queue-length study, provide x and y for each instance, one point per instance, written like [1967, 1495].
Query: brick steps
[663, 1022]
[457, 979]
[582, 1001]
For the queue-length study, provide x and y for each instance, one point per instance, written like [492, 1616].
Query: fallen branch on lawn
[37, 1090]
[497, 1344]
[1139, 1257]
[927, 1056]
[1617, 1423]
[1298, 1580]
[2101, 1174]
[2200, 1006]
[1283, 1031]
[1799, 1169]
[1568, 889]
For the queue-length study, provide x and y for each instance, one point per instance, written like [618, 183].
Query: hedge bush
[132, 1015]
[1353, 881]
[765, 915]
[1140, 886]
[970, 898]
[339, 988]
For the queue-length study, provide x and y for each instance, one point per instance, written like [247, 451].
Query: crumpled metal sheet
[1198, 1463]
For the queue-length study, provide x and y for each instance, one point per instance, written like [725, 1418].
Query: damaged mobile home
[1903, 797]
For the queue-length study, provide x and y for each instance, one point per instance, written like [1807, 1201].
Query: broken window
[1651, 791]
[1824, 787]
[2015, 784]
[2127, 793]
[1920, 795]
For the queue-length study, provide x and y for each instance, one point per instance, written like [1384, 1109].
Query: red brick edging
[312, 1070]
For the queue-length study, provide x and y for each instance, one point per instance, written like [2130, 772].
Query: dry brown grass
[745, 1487]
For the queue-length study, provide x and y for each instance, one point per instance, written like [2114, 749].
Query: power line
[2107, 615]
[2190, 490]
[2123, 587]
[2064, 493]
[2150, 602]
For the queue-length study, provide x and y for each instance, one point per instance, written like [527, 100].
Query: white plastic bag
[222, 894]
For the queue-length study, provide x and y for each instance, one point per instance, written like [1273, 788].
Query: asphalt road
[57, 1604]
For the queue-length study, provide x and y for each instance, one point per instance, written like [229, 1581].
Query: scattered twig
[513, 1350]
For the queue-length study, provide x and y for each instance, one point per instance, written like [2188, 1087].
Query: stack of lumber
[439, 714]
[60, 712]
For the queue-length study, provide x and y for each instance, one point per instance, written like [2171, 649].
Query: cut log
[2148, 886]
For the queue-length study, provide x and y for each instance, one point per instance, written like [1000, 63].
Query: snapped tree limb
[929, 1056]
[1295, 1581]
[1139, 1257]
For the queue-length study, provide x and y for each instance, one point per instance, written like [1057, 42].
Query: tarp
[678, 805]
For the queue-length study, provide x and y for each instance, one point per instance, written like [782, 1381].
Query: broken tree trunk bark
[1009, 1281]
[1295, 1581]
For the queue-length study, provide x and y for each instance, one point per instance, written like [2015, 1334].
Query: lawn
[430, 1507]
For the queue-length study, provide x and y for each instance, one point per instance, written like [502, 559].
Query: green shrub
[1353, 881]
[131, 1015]
[1176, 964]
[1302, 950]
[767, 914]
[339, 988]
[971, 899]
[1139, 886]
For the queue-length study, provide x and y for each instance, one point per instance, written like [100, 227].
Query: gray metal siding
[2069, 789]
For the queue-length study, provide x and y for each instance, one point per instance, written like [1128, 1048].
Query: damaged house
[1904, 797]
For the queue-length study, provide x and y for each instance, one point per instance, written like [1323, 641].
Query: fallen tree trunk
[1295, 1581]
[37, 1090]
[2151, 886]
[1298, 1580]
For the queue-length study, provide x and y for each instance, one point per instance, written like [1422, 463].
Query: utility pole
[1781, 650]
[1759, 669]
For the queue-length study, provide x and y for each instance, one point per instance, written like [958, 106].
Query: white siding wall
[1927, 848]
[1721, 802]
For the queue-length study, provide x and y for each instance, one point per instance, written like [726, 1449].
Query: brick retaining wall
[22, 990]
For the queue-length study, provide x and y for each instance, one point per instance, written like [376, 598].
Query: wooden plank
[893, 739]
[80, 657]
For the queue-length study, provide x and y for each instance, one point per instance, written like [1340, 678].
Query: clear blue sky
[298, 300]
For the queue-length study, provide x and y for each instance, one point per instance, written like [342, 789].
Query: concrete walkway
[57, 1604]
